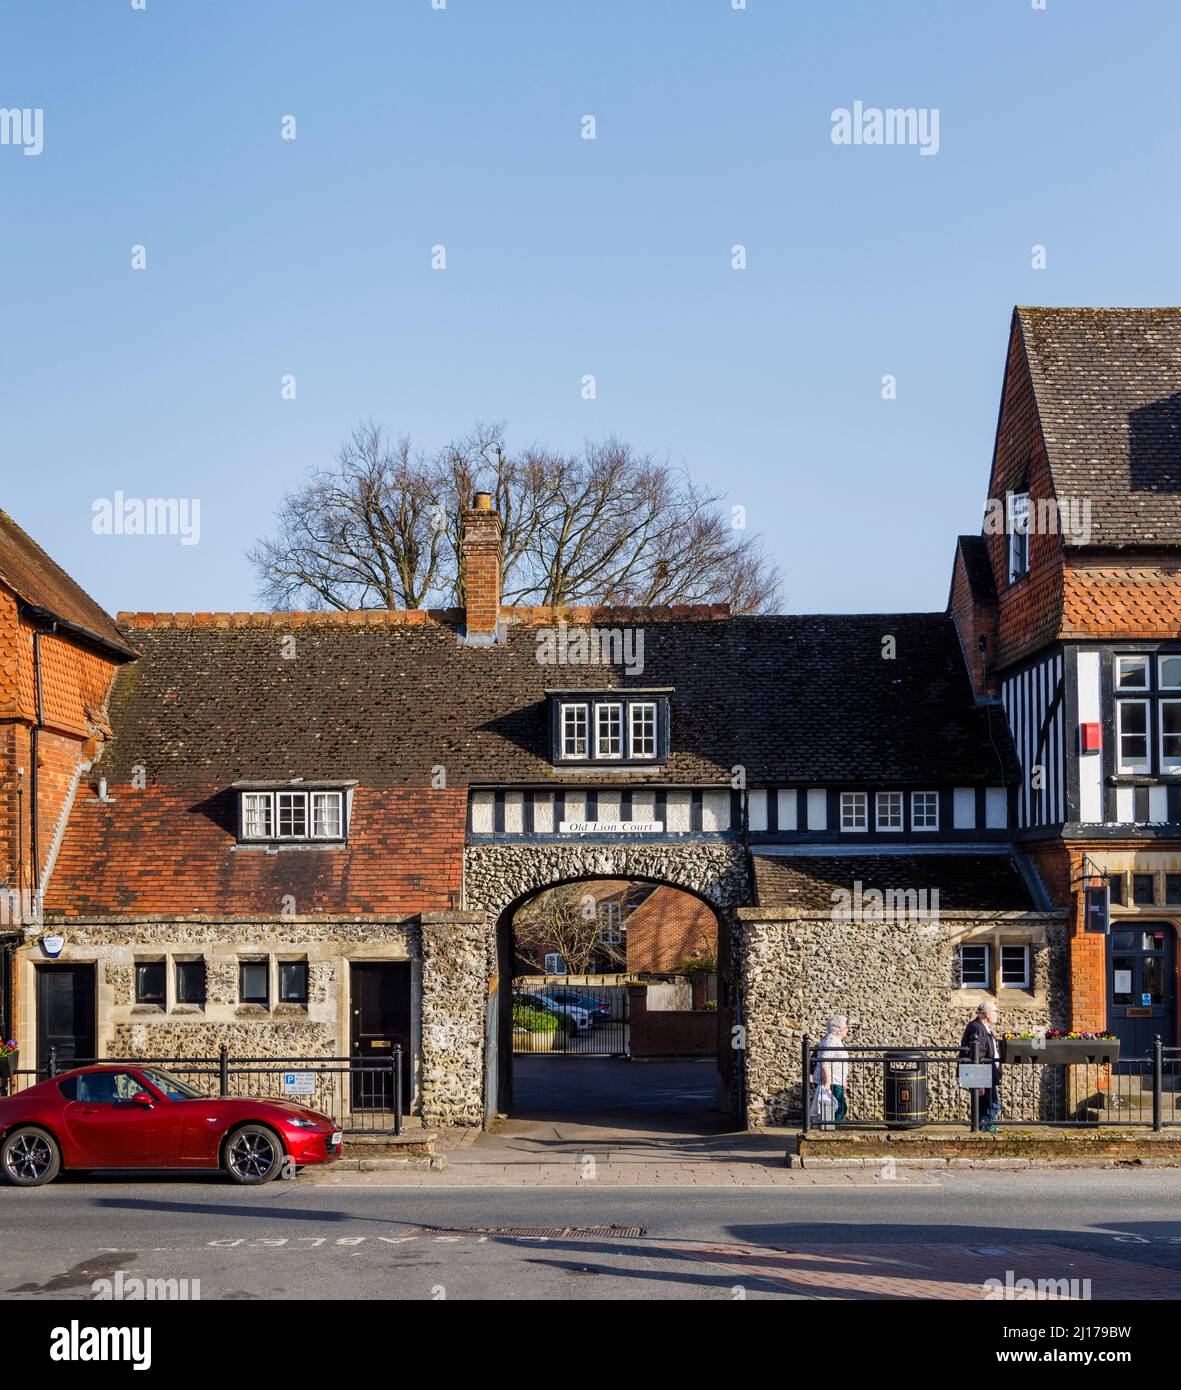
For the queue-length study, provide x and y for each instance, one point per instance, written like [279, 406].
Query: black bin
[904, 1102]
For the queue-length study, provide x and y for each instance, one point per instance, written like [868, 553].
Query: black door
[1142, 985]
[380, 995]
[65, 1014]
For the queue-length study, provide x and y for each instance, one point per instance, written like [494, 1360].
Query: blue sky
[461, 127]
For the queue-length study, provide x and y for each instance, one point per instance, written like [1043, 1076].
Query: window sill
[282, 846]
[252, 1011]
[290, 1011]
[147, 1010]
[188, 1009]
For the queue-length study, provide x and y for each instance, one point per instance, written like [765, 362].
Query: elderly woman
[980, 1041]
[832, 1064]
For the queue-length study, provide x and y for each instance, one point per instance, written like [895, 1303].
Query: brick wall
[481, 569]
[669, 1032]
[973, 621]
[1028, 611]
[668, 928]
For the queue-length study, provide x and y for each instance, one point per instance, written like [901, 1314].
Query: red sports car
[128, 1116]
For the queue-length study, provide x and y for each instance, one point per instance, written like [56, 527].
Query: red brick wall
[1029, 610]
[668, 1032]
[667, 928]
[481, 570]
[973, 621]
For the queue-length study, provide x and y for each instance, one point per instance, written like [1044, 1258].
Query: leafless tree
[382, 529]
[565, 920]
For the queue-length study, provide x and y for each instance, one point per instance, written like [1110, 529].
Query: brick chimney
[481, 570]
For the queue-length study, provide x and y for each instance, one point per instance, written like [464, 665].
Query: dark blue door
[1142, 985]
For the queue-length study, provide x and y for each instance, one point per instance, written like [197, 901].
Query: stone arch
[497, 877]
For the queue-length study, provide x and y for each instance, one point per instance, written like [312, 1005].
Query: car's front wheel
[29, 1157]
[253, 1154]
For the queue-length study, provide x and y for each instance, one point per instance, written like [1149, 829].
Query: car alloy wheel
[30, 1158]
[253, 1154]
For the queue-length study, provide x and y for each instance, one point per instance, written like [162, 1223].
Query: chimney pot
[483, 502]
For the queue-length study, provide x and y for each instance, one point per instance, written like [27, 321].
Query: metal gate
[555, 1016]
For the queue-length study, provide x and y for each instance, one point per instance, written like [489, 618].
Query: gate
[551, 1014]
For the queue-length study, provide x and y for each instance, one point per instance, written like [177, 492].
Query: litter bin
[905, 1101]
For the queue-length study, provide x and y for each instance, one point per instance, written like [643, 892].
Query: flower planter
[524, 1042]
[9, 1064]
[1071, 1051]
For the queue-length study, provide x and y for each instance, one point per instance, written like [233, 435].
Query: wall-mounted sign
[299, 1083]
[1145, 1000]
[611, 827]
[1096, 898]
[53, 945]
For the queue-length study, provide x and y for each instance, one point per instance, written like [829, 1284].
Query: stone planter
[524, 1043]
[1071, 1051]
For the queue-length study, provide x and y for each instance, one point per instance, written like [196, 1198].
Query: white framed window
[924, 810]
[888, 810]
[257, 816]
[1168, 672]
[1131, 735]
[642, 717]
[610, 924]
[292, 814]
[608, 731]
[854, 811]
[1018, 534]
[974, 970]
[1015, 973]
[574, 731]
[1131, 673]
[327, 818]
[1169, 713]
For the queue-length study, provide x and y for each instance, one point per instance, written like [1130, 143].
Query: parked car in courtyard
[597, 1010]
[127, 1116]
[576, 1014]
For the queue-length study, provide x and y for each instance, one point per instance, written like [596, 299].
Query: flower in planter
[8, 1048]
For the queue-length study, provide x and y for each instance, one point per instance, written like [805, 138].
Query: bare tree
[565, 920]
[606, 526]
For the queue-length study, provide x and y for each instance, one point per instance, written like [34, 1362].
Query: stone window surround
[994, 938]
[169, 959]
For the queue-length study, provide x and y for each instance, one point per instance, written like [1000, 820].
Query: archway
[598, 974]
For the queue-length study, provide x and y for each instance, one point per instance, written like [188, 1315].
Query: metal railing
[362, 1095]
[908, 1087]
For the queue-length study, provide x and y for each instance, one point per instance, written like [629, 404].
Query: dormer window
[285, 812]
[609, 726]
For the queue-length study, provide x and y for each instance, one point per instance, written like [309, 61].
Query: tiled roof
[1108, 390]
[965, 882]
[34, 577]
[162, 851]
[816, 699]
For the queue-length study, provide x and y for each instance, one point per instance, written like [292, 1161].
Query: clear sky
[417, 126]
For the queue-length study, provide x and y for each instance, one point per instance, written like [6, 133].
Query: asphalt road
[1121, 1229]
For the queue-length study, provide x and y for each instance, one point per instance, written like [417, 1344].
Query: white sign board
[975, 1076]
[299, 1083]
[611, 827]
[1123, 982]
[554, 964]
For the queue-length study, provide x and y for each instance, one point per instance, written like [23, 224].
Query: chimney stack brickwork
[481, 568]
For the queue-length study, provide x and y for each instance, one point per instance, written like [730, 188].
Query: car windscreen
[172, 1086]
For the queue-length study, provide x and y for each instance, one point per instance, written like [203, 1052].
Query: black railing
[361, 1095]
[907, 1087]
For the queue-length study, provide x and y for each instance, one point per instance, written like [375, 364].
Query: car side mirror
[142, 1098]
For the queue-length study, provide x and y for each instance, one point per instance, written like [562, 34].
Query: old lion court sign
[612, 827]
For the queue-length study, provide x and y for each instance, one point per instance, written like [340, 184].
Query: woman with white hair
[831, 1072]
[980, 1042]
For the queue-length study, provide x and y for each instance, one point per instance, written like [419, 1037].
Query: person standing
[831, 1071]
[980, 1043]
